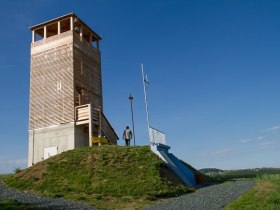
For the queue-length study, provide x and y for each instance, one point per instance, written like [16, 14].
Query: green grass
[265, 196]
[2, 176]
[109, 177]
[8, 204]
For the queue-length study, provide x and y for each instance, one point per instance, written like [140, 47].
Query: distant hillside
[241, 173]
[126, 177]
[210, 170]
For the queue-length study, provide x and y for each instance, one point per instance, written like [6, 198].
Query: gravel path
[208, 198]
[40, 201]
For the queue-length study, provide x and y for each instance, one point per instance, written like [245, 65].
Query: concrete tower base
[46, 142]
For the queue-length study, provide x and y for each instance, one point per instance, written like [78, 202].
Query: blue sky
[213, 67]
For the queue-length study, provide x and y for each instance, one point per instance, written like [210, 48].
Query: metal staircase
[175, 165]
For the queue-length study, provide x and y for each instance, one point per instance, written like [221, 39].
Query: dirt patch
[264, 188]
[37, 172]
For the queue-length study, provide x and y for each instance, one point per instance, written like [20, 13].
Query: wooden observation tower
[66, 102]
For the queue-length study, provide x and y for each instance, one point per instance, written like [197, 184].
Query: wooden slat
[83, 110]
[82, 122]
[86, 112]
[82, 118]
[83, 114]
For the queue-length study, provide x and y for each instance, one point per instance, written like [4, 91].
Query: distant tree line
[242, 173]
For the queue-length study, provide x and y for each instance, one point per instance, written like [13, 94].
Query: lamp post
[131, 108]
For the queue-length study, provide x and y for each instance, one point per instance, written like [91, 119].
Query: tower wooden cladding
[65, 70]
[65, 89]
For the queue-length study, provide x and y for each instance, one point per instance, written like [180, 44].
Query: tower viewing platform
[57, 27]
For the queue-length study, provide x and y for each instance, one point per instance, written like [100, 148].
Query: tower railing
[50, 39]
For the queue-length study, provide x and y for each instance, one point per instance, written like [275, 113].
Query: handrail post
[90, 125]
[99, 115]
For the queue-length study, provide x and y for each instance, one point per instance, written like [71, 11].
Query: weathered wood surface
[65, 72]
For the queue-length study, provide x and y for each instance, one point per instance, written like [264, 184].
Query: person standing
[127, 136]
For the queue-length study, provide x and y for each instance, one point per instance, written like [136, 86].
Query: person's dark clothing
[127, 136]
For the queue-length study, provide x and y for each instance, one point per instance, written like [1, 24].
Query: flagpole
[146, 103]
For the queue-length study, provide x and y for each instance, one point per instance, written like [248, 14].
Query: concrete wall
[60, 136]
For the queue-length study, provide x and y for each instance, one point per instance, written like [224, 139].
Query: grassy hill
[112, 177]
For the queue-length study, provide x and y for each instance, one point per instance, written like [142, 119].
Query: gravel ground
[40, 201]
[208, 198]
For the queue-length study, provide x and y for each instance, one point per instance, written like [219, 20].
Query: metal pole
[33, 148]
[146, 102]
[132, 118]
